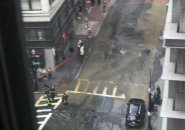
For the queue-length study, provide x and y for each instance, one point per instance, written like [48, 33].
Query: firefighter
[49, 102]
[79, 43]
[82, 53]
[64, 99]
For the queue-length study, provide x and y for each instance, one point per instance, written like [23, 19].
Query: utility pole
[150, 104]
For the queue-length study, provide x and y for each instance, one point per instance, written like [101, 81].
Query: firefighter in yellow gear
[79, 43]
[49, 102]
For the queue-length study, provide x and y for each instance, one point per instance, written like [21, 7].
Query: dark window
[37, 34]
[30, 4]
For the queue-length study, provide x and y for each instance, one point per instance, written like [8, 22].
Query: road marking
[38, 101]
[44, 105]
[96, 94]
[45, 121]
[95, 89]
[41, 116]
[105, 90]
[85, 90]
[114, 91]
[44, 99]
[58, 103]
[78, 85]
[44, 110]
[40, 122]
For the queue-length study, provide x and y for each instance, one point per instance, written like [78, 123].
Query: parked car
[135, 115]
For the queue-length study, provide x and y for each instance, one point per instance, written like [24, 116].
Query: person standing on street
[49, 73]
[82, 53]
[64, 100]
[104, 5]
[49, 102]
[52, 93]
[79, 44]
[46, 91]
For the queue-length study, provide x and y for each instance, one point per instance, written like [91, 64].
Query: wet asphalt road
[123, 75]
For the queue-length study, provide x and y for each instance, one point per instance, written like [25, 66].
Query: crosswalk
[98, 88]
[43, 112]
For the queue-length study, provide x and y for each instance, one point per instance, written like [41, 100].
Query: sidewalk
[68, 70]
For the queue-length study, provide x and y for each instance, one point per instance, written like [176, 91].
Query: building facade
[173, 105]
[49, 27]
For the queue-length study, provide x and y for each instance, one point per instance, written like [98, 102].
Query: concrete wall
[49, 58]
[172, 89]
[176, 11]
[45, 5]
[173, 54]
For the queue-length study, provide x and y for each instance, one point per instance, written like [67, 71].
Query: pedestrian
[71, 49]
[92, 2]
[86, 22]
[64, 100]
[52, 93]
[89, 32]
[104, 5]
[99, 2]
[46, 91]
[63, 56]
[49, 73]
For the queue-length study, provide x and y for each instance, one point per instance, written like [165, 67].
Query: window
[30, 4]
[37, 34]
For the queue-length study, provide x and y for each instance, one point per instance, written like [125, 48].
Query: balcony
[170, 68]
[172, 38]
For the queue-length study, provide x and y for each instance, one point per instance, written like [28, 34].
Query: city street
[116, 69]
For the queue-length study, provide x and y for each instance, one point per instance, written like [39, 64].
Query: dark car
[135, 113]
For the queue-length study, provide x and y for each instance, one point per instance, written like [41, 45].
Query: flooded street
[107, 81]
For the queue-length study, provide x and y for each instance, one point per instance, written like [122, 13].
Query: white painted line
[78, 85]
[105, 91]
[41, 116]
[85, 90]
[40, 122]
[58, 103]
[96, 94]
[46, 99]
[60, 94]
[38, 101]
[43, 105]
[114, 91]
[95, 89]
[45, 121]
[44, 110]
